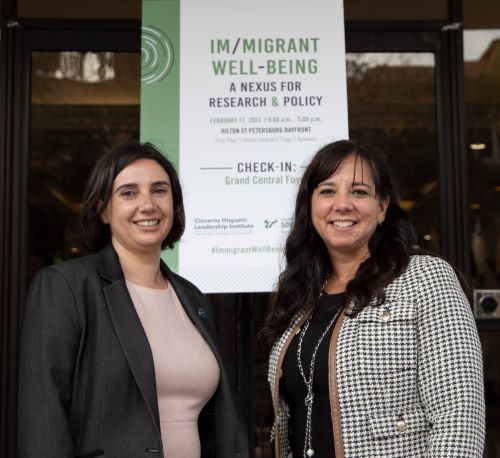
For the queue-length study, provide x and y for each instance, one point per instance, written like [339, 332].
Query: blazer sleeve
[450, 369]
[49, 347]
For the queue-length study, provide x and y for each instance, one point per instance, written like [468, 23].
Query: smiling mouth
[343, 224]
[148, 223]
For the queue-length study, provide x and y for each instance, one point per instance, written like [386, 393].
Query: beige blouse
[187, 373]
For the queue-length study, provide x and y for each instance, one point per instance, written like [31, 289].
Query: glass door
[482, 110]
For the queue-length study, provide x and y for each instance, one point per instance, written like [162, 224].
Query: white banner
[262, 87]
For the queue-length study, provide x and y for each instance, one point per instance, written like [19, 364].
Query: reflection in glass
[89, 67]
[81, 105]
[392, 106]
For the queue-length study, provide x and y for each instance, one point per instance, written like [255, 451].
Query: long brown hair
[307, 260]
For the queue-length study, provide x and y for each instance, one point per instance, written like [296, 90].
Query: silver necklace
[309, 399]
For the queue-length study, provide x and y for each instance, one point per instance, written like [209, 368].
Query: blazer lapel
[129, 330]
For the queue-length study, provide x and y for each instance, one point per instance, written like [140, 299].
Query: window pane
[392, 106]
[81, 105]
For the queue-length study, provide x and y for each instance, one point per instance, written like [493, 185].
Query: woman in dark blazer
[90, 378]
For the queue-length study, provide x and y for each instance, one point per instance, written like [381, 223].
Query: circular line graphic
[157, 55]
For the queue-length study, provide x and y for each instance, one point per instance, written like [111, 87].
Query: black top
[293, 388]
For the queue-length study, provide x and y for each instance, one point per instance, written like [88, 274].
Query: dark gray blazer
[87, 384]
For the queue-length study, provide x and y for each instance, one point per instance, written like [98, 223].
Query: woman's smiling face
[345, 209]
[140, 211]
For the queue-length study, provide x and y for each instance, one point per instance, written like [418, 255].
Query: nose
[147, 204]
[343, 201]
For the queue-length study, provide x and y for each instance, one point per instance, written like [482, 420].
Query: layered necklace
[309, 399]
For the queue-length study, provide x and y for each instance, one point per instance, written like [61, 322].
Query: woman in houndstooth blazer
[374, 349]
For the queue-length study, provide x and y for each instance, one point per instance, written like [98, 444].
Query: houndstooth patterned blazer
[407, 376]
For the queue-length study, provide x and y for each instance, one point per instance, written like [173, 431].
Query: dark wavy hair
[307, 260]
[94, 233]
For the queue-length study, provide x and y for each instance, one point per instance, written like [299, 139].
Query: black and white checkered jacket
[406, 377]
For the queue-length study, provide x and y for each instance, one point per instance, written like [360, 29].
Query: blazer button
[385, 315]
[401, 426]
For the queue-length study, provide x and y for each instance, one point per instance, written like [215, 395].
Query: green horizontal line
[216, 168]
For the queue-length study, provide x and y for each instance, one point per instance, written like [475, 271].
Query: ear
[104, 218]
[384, 204]
[104, 213]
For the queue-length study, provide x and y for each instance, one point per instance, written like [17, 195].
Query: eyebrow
[354, 183]
[135, 185]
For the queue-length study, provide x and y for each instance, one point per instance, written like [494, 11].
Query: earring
[380, 221]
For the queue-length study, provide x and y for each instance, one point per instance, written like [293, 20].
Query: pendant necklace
[309, 399]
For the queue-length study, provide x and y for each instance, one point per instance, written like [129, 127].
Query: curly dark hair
[94, 233]
[307, 260]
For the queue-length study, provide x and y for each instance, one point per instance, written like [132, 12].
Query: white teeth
[343, 223]
[152, 222]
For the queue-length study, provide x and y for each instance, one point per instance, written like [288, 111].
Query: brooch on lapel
[202, 312]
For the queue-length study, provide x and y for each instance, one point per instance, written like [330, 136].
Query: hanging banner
[240, 95]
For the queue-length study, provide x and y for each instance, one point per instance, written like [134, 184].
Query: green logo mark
[157, 55]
